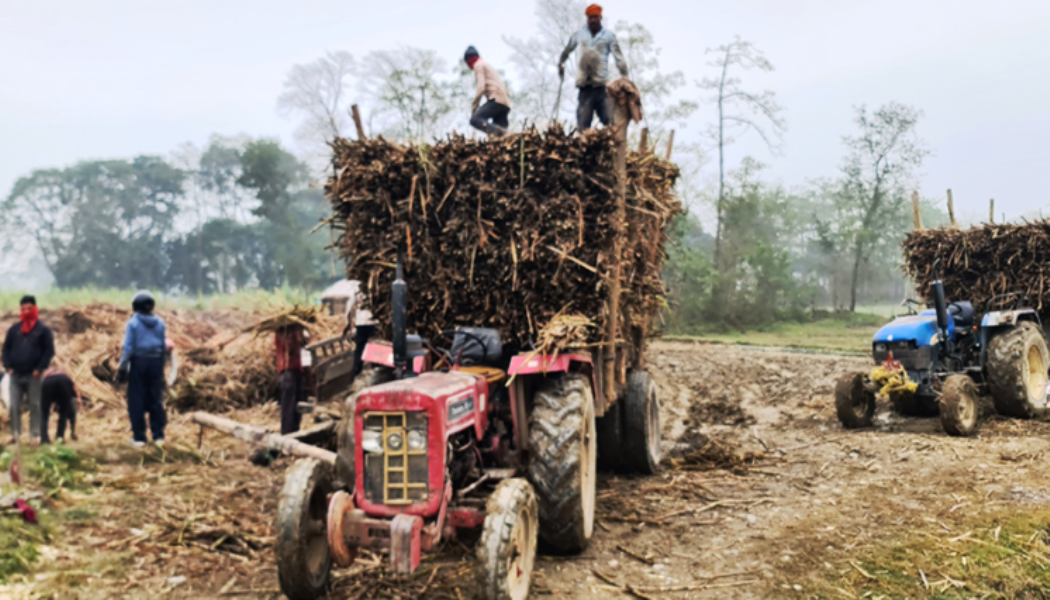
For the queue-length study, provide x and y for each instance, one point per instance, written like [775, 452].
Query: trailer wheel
[854, 403]
[959, 409]
[609, 429]
[912, 405]
[1017, 370]
[563, 461]
[507, 549]
[641, 406]
[303, 558]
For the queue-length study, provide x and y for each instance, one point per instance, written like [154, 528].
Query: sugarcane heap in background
[981, 263]
[505, 234]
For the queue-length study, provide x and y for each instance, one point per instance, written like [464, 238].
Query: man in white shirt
[595, 45]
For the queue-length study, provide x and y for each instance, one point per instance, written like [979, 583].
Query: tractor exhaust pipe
[399, 306]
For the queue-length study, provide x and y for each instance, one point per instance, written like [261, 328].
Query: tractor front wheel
[959, 411]
[563, 461]
[507, 548]
[854, 402]
[641, 424]
[303, 558]
[1017, 370]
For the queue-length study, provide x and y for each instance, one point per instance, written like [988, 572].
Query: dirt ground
[183, 524]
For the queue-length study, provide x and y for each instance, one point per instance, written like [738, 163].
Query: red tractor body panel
[381, 352]
[451, 402]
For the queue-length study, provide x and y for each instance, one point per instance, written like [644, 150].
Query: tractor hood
[921, 328]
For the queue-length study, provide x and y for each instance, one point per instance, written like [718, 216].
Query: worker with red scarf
[288, 343]
[27, 353]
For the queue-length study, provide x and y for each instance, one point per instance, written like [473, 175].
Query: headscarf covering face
[593, 11]
[28, 314]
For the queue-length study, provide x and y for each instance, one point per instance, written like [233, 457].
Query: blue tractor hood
[921, 328]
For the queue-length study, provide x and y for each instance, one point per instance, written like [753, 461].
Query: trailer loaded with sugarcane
[517, 282]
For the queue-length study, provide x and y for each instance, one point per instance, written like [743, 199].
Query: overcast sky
[103, 79]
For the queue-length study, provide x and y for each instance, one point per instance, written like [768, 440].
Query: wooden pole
[991, 211]
[951, 210]
[670, 144]
[621, 119]
[915, 212]
[357, 123]
[643, 143]
[261, 437]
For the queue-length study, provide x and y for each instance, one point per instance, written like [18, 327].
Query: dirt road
[775, 525]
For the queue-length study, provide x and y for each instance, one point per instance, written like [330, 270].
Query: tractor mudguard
[1002, 319]
[524, 366]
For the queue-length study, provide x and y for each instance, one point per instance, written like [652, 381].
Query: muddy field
[769, 497]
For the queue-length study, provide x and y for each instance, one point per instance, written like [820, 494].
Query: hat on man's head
[593, 11]
[471, 52]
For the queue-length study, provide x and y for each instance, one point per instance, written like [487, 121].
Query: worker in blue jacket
[142, 366]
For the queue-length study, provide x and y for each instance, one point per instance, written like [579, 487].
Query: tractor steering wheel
[446, 354]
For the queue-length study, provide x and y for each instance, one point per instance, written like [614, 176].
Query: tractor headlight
[417, 439]
[880, 347]
[394, 441]
[372, 441]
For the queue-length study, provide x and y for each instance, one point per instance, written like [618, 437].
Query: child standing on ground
[59, 391]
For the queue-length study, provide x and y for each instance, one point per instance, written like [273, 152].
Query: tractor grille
[913, 358]
[398, 475]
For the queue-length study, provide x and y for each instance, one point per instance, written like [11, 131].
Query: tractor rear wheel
[959, 410]
[641, 424]
[507, 548]
[563, 461]
[303, 558]
[1017, 370]
[854, 403]
[912, 405]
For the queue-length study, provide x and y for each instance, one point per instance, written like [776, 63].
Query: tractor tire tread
[957, 391]
[636, 425]
[304, 477]
[848, 391]
[502, 511]
[1007, 369]
[556, 432]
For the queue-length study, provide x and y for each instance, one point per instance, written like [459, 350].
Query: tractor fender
[1003, 319]
[528, 367]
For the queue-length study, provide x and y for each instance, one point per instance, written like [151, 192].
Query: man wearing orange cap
[595, 44]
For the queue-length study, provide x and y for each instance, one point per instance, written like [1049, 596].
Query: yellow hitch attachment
[891, 380]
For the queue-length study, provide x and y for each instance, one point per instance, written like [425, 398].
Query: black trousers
[592, 101]
[292, 393]
[66, 408]
[146, 396]
[490, 111]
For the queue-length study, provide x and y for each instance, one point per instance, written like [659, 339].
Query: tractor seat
[962, 313]
[479, 347]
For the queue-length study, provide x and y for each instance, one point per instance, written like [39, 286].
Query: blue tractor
[943, 359]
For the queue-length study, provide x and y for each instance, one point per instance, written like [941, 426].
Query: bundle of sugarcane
[981, 263]
[506, 233]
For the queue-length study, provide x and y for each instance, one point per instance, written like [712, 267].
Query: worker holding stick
[492, 116]
[595, 45]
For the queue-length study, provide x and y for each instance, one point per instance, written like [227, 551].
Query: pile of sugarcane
[981, 263]
[504, 234]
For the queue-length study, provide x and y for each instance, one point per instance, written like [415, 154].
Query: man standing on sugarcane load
[595, 45]
[288, 344]
[490, 117]
[27, 353]
[142, 367]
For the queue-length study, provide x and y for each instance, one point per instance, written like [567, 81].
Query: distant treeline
[234, 215]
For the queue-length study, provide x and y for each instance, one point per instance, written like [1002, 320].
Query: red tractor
[439, 449]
